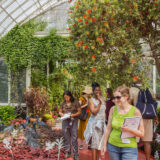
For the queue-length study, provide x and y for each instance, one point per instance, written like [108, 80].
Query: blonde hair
[124, 90]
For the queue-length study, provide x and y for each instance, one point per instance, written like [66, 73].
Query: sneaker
[76, 158]
[67, 155]
[81, 147]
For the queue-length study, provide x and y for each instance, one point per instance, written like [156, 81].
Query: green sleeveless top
[117, 122]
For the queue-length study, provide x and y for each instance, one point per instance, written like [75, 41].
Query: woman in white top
[96, 124]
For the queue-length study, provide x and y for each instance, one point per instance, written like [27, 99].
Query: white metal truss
[14, 12]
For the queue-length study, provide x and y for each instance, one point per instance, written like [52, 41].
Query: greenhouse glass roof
[20, 11]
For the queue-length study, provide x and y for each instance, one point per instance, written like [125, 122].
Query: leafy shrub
[7, 113]
[56, 94]
[37, 101]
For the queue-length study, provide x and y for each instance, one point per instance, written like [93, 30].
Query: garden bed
[17, 146]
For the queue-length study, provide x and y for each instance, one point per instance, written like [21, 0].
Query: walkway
[86, 155]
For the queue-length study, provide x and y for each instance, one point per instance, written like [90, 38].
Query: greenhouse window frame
[27, 84]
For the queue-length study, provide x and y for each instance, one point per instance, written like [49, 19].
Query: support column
[28, 77]
[28, 81]
[9, 86]
[154, 79]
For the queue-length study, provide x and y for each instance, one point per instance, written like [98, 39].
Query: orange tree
[106, 41]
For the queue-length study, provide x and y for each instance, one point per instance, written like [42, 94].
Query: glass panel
[17, 13]
[12, 7]
[46, 6]
[22, 17]
[6, 22]
[3, 82]
[20, 1]
[37, 4]
[18, 84]
[53, 2]
[31, 10]
[11, 26]
[27, 5]
[57, 17]
[1, 29]
[42, 2]
[3, 15]
[5, 3]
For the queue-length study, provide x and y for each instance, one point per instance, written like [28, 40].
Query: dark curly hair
[110, 92]
[68, 93]
[94, 85]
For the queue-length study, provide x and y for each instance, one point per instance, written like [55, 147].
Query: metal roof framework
[14, 12]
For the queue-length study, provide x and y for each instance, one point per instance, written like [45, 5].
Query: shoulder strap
[149, 96]
[140, 96]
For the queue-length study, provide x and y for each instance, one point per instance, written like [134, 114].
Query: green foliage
[47, 116]
[16, 48]
[7, 113]
[38, 77]
[56, 89]
[21, 48]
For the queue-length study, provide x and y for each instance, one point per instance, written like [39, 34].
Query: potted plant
[49, 119]
[37, 102]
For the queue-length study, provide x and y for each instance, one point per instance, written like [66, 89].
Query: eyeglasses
[117, 97]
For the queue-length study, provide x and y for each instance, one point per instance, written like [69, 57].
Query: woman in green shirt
[122, 149]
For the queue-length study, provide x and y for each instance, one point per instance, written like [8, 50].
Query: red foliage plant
[21, 151]
[26, 153]
[37, 101]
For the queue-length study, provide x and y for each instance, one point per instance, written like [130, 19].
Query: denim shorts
[120, 153]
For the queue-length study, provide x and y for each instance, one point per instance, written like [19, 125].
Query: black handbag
[84, 114]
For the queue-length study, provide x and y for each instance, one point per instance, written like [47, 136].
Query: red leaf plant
[21, 151]
[37, 101]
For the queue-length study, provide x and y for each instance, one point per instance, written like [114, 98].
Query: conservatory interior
[50, 46]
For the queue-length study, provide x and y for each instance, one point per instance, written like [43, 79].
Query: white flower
[49, 145]
[14, 133]
[6, 144]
